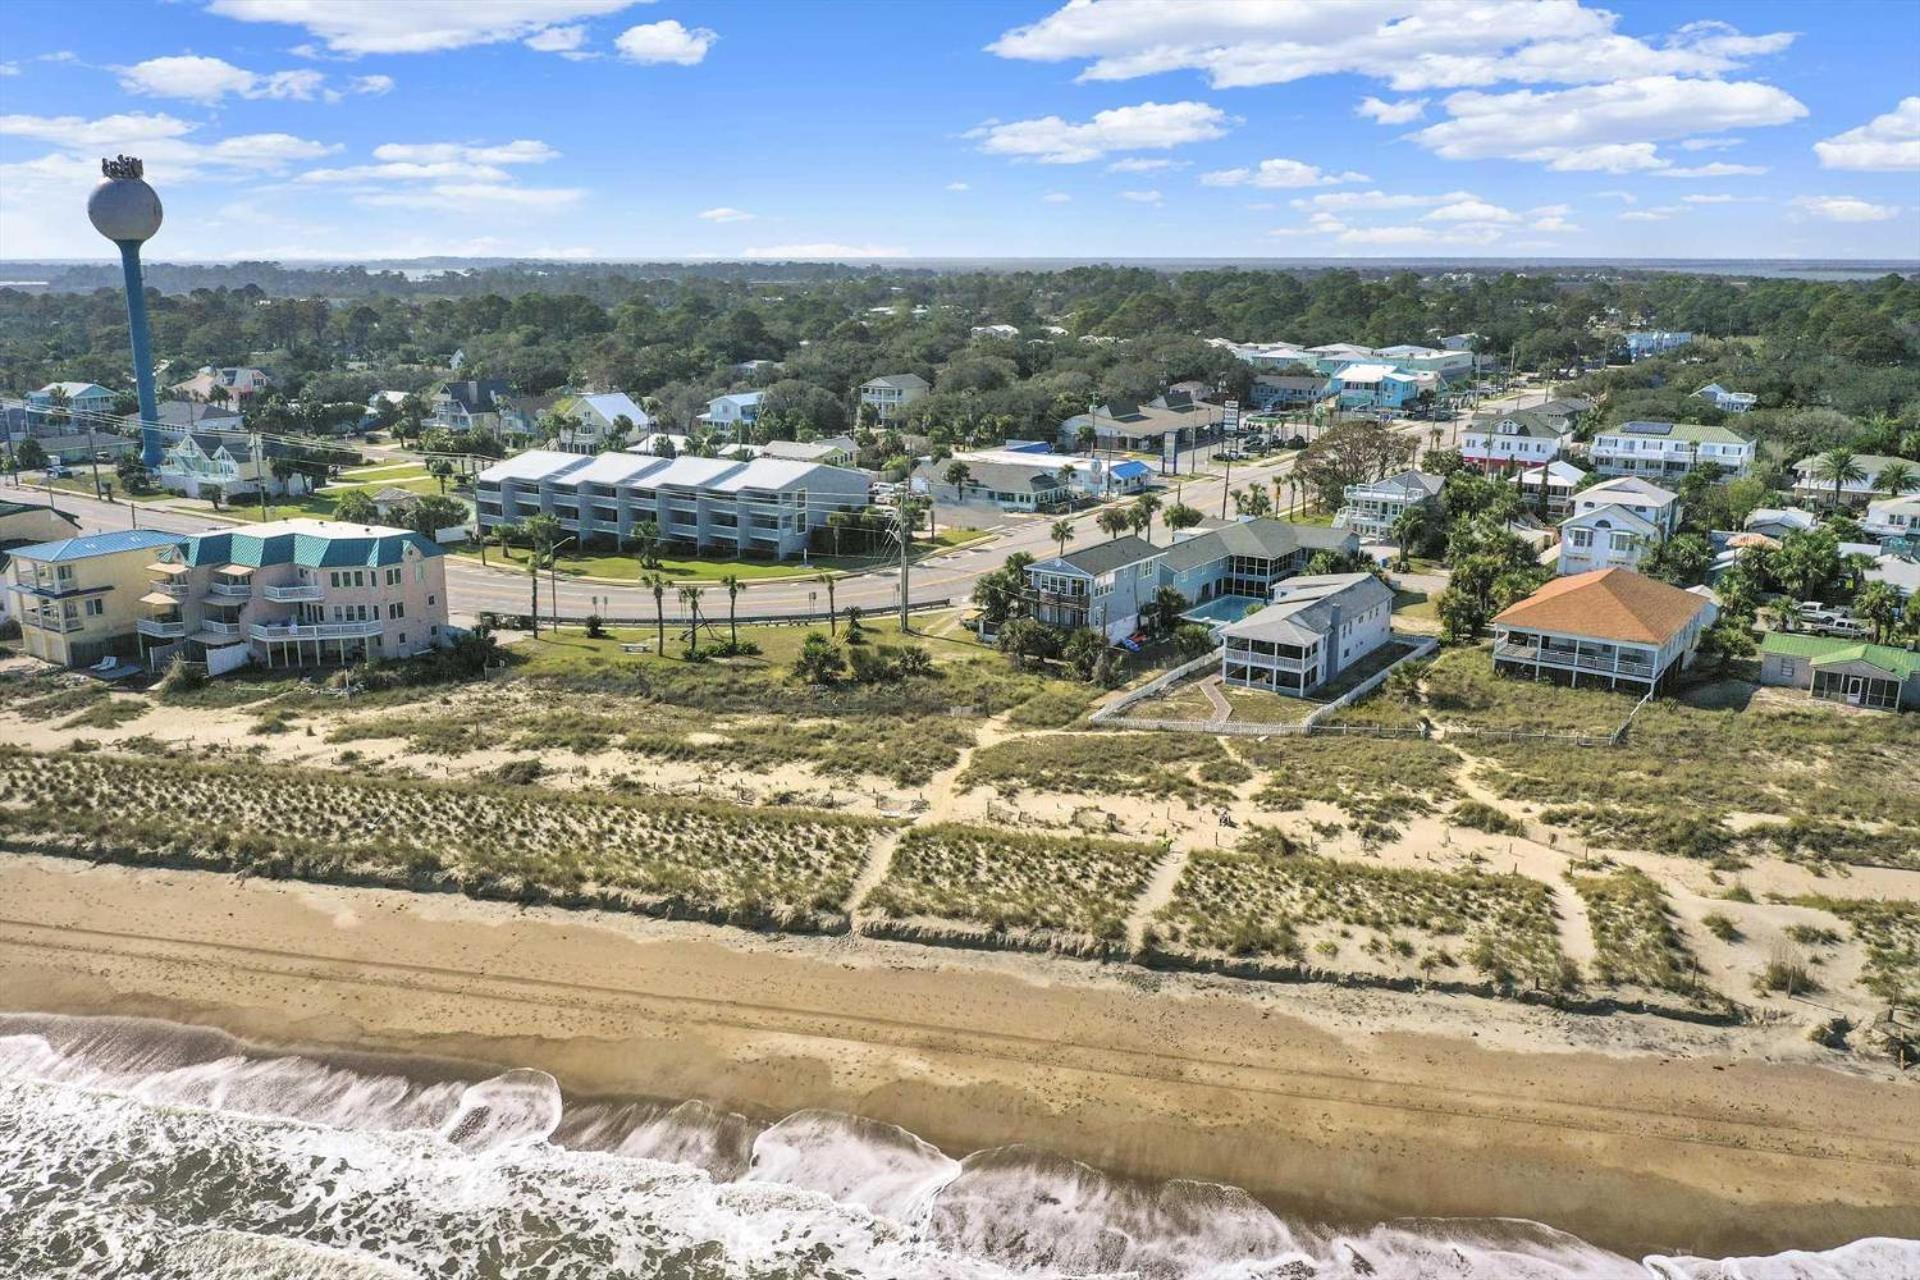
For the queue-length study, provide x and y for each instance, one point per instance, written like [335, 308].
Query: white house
[1653, 342]
[1778, 522]
[891, 393]
[1729, 401]
[1807, 481]
[995, 331]
[1669, 450]
[592, 420]
[1371, 509]
[1615, 523]
[833, 451]
[1611, 626]
[1315, 628]
[1560, 479]
[1092, 477]
[1893, 517]
[1519, 438]
[231, 385]
[733, 415]
[238, 463]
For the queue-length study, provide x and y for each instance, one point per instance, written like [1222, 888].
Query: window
[396, 610]
[1622, 542]
[393, 577]
[1789, 669]
[431, 600]
[1580, 537]
[96, 607]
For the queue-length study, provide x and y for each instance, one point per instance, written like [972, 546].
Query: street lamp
[125, 210]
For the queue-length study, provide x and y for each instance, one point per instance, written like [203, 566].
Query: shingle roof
[1871, 464]
[1004, 477]
[1305, 611]
[1691, 432]
[1630, 486]
[1825, 649]
[1532, 423]
[899, 381]
[89, 545]
[1264, 537]
[1608, 604]
[1108, 556]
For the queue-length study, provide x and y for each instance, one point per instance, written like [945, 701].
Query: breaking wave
[141, 1149]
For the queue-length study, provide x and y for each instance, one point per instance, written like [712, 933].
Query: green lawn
[626, 567]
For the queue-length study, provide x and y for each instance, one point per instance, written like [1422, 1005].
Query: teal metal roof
[98, 544]
[348, 549]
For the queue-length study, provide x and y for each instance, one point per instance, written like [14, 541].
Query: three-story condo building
[1670, 450]
[294, 593]
[77, 598]
[761, 507]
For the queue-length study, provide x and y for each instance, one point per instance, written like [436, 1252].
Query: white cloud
[668, 42]
[1280, 173]
[1722, 199]
[407, 171]
[1344, 201]
[1150, 126]
[354, 27]
[1711, 144]
[1646, 215]
[1845, 209]
[1142, 197]
[519, 151]
[1409, 44]
[161, 141]
[474, 197]
[1472, 211]
[126, 131]
[1624, 197]
[724, 214]
[1611, 127]
[1718, 169]
[1144, 164]
[1406, 111]
[959, 186]
[207, 81]
[1402, 236]
[1056, 197]
[1552, 223]
[827, 251]
[557, 39]
[1887, 142]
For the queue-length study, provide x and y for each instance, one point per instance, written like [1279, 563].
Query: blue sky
[994, 128]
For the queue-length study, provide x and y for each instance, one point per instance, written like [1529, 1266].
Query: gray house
[1247, 558]
[1314, 629]
[1008, 485]
[1103, 587]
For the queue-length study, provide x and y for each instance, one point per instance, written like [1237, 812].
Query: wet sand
[1636, 1133]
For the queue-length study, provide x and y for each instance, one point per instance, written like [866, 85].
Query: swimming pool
[1221, 610]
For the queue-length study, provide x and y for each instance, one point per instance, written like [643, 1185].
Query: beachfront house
[1238, 565]
[1370, 509]
[1610, 627]
[291, 593]
[1669, 450]
[1840, 670]
[1615, 523]
[1103, 587]
[1315, 628]
[77, 598]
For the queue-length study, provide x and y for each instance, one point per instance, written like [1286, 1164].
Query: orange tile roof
[1608, 604]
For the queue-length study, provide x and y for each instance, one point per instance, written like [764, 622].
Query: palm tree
[440, 469]
[1062, 533]
[690, 597]
[833, 617]
[1252, 502]
[957, 474]
[1409, 527]
[1838, 467]
[734, 587]
[1897, 478]
[1113, 522]
[1146, 506]
[657, 583]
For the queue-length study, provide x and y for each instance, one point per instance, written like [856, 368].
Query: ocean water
[140, 1149]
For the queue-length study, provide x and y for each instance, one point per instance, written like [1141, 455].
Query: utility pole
[905, 530]
[1225, 487]
[260, 474]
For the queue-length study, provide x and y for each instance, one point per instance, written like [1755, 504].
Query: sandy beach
[1639, 1134]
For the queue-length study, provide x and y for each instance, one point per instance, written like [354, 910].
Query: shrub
[1634, 940]
[1482, 816]
[1721, 927]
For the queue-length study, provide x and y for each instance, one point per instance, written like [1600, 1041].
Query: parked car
[1847, 628]
[1229, 455]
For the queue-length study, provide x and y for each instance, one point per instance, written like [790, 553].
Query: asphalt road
[948, 576]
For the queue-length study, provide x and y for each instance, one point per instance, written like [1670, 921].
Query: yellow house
[78, 599]
[24, 522]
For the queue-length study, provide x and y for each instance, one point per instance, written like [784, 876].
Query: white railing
[314, 631]
[1578, 661]
[178, 590]
[294, 594]
[230, 591]
[219, 628]
[160, 630]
